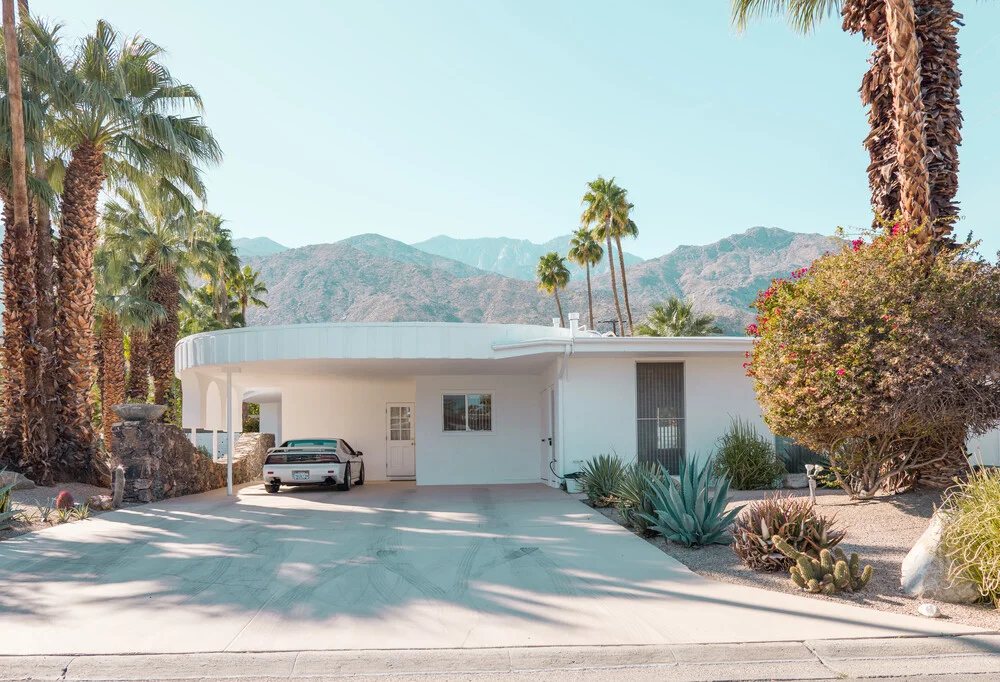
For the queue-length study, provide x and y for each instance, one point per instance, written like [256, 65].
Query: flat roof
[438, 341]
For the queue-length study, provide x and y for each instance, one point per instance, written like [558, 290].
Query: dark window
[660, 413]
[347, 447]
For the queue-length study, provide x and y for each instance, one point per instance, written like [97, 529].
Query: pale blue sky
[476, 118]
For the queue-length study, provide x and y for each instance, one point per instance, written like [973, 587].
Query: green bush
[793, 518]
[971, 534]
[747, 457]
[881, 360]
[633, 497]
[600, 478]
[6, 512]
[691, 511]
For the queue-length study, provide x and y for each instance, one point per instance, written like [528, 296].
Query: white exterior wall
[600, 405]
[270, 420]
[509, 454]
[985, 449]
[351, 408]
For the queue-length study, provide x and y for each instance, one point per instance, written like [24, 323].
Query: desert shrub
[747, 457]
[6, 511]
[882, 360]
[600, 477]
[64, 501]
[692, 510]
[633, 494]
[971, 532]
[793, 518]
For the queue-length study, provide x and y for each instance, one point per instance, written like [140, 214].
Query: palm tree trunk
[11, 433]
[35, 459]
[166, 292]
[614, 284]
[621, 261]
[562, 320]
[137, 390]
[75, 313]
[590, 297]
[937, 28]
[46, 307]
[908, 109]
[113, 381]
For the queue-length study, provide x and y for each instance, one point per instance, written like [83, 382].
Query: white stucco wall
[270, 420]
[985, 449]
[351, 408]
[510, 454]
[600, 404]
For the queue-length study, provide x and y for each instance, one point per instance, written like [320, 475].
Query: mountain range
[373, 278]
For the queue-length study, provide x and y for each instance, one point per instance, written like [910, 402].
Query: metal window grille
[795, 456]
[660, 413]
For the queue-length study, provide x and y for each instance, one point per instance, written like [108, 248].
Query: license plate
[300, 475]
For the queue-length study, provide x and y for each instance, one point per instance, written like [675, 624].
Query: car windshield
[306, 457]
[311, 443]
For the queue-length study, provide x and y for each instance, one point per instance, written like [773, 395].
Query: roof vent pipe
[574, 323]
[556, 322]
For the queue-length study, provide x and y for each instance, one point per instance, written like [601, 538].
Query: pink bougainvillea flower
[752, 329]
[840, 372]
[857, 244]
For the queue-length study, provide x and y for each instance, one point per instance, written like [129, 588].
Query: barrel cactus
[833, 572]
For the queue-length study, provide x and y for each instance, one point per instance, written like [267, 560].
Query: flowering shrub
[881, 361]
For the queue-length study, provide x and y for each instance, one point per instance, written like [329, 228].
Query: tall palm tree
[553, 275]
[935, 25]
[154, 222]
[586, 252]
[604, 203]
[123, 306]
[675, 317]
[220, 266]
[248, 288]
[19, 266]
[624, 226]
[118, 117]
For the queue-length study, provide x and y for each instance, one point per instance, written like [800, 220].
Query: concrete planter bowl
[139, 412]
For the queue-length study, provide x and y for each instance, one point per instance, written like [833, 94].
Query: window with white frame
[468, 412]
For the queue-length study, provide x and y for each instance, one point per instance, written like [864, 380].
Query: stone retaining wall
[161, 462]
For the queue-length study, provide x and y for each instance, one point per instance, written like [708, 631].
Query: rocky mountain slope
[509, 257]
[255, 247]
[373, 278]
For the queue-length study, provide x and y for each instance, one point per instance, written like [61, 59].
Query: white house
[446, 403]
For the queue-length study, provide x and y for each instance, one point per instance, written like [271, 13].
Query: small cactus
[833, 572]
[64, 500]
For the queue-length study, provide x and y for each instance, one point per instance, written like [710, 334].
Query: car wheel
[272, 487]
[361, 476]
[346, 485]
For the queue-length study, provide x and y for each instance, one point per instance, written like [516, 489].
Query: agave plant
[634, 492]
[600, 478]
[6, 513]
[692, 510]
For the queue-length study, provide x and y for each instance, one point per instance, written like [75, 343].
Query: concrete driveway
[385, 566]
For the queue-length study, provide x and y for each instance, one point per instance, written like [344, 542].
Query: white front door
[400, 461]
[548, 432]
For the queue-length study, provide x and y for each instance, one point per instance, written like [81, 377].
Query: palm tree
[220, 266]
[553, 275]
[123, 306]
[624, 226]
[604, 203]
[118, 118]
[154, 222]
[898, 131]
[674, 317]
[586, 252]
[21, 339]
[247, 287]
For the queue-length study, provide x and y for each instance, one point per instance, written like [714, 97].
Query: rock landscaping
[882, 531]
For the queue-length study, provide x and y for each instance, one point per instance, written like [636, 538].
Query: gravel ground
[31, 501]
[881, 532]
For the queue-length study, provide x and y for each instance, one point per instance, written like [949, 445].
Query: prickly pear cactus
[832, 572]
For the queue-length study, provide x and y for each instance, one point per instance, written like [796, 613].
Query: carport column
[229, 426]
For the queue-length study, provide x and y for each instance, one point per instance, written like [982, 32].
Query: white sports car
[313, 461]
